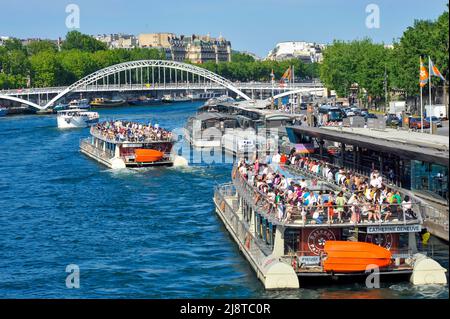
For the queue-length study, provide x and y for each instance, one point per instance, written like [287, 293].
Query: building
[195, 48]
[152, 40]
[118, 41]
[3, 39]
[307, 52]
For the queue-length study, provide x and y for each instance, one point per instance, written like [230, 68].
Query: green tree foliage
[241, 57]
[358, 62]
[364, 62]
[424, 38]
[261, 70]
[82, 42]
[46, 69]
[35, 47]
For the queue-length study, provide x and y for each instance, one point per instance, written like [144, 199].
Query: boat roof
[406, 144]
[213, 115]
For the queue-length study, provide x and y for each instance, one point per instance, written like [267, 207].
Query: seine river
[133, 234]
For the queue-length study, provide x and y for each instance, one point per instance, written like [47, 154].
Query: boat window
[291, 240]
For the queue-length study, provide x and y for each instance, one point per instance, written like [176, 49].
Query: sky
[251, 25]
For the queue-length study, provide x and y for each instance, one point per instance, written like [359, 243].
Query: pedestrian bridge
[145, 75]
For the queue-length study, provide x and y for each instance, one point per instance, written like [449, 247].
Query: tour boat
[168, 98]
[79, 104]
[143, 101]
[74, 118]
[238, 128]
[3, 111]
[296, 250]
[60, 107]
[202, 95]
[122, 151]
[103, 102]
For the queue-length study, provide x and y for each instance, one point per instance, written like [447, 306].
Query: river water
[133, 234]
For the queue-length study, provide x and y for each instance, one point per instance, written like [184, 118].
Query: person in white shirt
[379, 181]
[303, 184]
[276, 158]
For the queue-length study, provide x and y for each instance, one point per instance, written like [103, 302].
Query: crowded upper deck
[126, 131]
[353, 199]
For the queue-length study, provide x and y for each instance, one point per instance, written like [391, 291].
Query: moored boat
[168, 98]
[122, 144]
[76, 118]
[104, 102]
[292, 229]
[143, 101]
[79, 104]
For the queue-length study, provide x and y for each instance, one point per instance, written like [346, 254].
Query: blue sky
[252, 25]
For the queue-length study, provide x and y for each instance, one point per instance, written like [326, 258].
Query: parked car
[435, 119]
[355, 110]
[393, 120]
[348, 111]
[415, 123]
[370, 116]
[364, 112]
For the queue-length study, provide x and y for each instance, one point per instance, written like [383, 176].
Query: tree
[35, 47]
[46, 69]
[77, 40]
[241, 57]
[76, 65]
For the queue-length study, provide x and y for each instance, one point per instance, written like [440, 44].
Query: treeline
[41, 64]
[244, 68]
[368, 64]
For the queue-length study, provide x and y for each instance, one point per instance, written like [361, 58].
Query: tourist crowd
[360, 199]
[121, 131]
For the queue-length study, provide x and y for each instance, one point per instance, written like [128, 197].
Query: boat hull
[75, 122]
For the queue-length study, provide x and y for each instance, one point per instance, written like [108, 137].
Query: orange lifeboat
[348, 256]
[147, 155]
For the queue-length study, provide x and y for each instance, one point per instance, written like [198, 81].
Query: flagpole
[421, 101]
[429, 97]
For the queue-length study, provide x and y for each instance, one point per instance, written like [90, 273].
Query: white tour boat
[74, 118]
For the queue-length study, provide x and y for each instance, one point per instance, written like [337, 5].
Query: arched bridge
[144, 75]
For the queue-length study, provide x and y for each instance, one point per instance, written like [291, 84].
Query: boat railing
[85, 144]
[418, 206]
[361, 214]
[108, 137]
[257, 250]
[301, 260]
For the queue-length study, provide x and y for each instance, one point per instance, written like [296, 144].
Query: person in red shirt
[283, 158]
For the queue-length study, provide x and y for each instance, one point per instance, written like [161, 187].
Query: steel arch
[16, 99]
[125, 66]
[296, 91]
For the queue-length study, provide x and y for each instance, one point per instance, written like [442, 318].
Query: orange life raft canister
[348, 256]
[147, 155]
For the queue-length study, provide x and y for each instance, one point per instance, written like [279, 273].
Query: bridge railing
[149, 86]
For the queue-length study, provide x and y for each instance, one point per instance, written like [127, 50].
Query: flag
[434, 71]
[286, 76]
[423, 78]
[272, 75]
